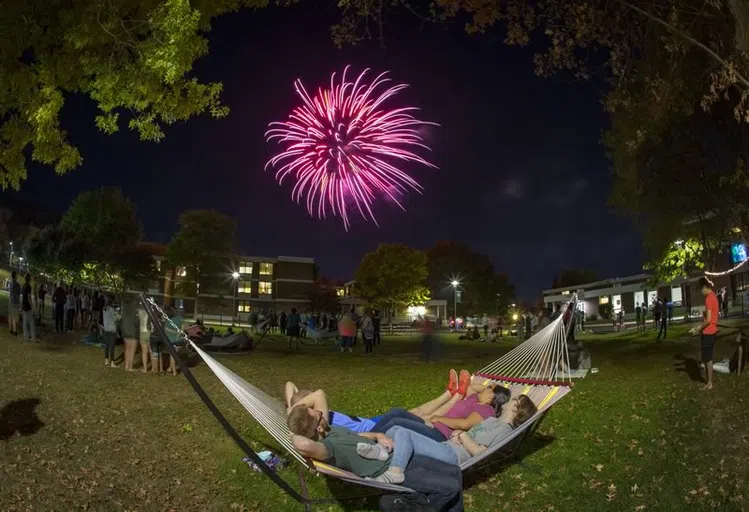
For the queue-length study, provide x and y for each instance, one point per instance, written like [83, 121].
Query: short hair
[13, 274]
[302, 423]
[526, 410]
[501, 397]
[706, 283]
[301, 393]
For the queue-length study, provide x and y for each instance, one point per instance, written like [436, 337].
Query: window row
[263, 288]
[265, 269]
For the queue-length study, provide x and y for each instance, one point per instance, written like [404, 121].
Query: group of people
[21, 308]
[663, 316]
[470, 417]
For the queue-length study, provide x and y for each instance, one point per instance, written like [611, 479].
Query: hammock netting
[538, 367]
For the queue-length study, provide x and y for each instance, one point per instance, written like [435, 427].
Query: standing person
[144, 337]
[376, 323]
[347, 331]
[282, 322]
[708, 329]
[78, 324]
[293, 323]
[663, 331]
[657, 311]
[85, 309]
[130, 330]
[303, 325]
[58, 299]
[14, 291]
[638, 317]
[27, 311]
[174, 334]
[109, 328]
[644, 316]
[69, 309]
[41, 295]
[367, 332]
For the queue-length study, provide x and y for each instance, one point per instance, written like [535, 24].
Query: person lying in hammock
[457, 388]
[461, 447]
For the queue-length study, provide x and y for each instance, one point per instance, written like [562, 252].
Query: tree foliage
[323, 296]
[393, 277]
[203, 241]
[56, 252]
[482, 290]
[133, 58]
[106, 219]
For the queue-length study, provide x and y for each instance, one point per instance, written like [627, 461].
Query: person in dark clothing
[41, 294]
[437, 482]
[528, 330]
[59, 298]
[376, 322]
[27, 311]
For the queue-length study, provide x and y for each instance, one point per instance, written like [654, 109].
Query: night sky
[522, 176]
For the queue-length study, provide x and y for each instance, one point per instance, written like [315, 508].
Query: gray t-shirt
[14, 290]
[487, 433]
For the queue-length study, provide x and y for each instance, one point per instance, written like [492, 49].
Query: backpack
[405, 502]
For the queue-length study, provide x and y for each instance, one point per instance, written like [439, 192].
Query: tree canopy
[393, 277]
[133, 58]
[482, 290]
[200, 245]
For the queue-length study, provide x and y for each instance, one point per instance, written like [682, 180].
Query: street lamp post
[10, 259]
[455, 284]
[235, 277]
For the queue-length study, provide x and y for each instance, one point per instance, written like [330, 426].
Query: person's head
[13, 275]
[520, 410]
[27, 277]
[293, 310]
[299, 395]
[308, 422]
[495, 396]
[706, 285]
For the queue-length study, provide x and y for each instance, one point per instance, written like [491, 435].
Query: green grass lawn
[639, 435]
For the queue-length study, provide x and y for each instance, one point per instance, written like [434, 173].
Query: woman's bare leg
[144, 352]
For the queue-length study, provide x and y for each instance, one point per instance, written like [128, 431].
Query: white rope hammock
[532, 368]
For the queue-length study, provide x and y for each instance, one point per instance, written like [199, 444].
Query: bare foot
[707, 386]
[144, 370]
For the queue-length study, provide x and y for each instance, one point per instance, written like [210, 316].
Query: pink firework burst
[342, 147]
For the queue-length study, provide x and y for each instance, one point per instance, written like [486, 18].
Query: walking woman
[130, 329]
[69, 309]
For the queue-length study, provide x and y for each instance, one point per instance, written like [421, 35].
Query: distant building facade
[433, 309]
[248, 283]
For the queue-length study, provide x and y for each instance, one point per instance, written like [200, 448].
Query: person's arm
[310, 448]
[705, 322]
[470, 445]
[380, 438]
[316, 400]
[289, 391]
[459, 423]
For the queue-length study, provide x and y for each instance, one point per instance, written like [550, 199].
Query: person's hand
[693, 331]
[456, 433]
[385, 441]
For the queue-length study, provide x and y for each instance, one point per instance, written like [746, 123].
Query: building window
[181, 271]
[179, 303]
[266, 269]
[244, 287]
[603, 300]
[265, 288]
[245, 267]
[243, 306]
[340, 292]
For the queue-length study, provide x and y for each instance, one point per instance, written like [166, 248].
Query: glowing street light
[455, 284]
[235, 276]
